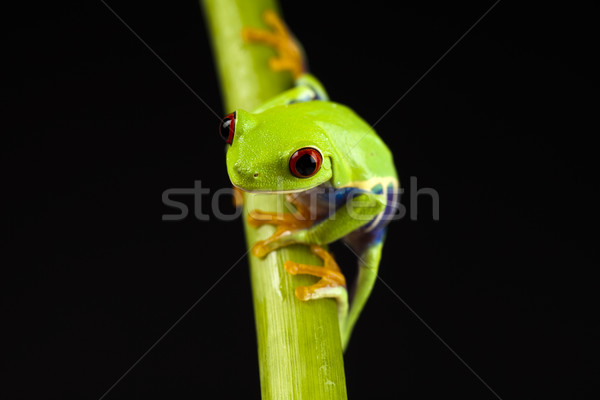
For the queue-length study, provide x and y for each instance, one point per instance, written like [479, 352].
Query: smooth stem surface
[299, 347]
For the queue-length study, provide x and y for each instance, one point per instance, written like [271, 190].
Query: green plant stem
[299, 347]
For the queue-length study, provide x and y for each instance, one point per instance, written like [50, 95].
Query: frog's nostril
[256, 174]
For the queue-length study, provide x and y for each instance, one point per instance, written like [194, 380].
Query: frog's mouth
[265, 191]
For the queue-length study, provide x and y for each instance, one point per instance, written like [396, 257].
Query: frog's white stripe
[370, 183]
[380, 216]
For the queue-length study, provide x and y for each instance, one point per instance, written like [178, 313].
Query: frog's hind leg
[368, 249]
[331, 285]
[289, 55]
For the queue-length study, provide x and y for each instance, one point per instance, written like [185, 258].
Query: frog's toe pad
[325, 291]
[259, 249]
[331, 285]
[304, 293]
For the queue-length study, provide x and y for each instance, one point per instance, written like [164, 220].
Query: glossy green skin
[353, 156]
[264, 141]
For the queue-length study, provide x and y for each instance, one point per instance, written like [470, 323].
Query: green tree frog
[332, 166]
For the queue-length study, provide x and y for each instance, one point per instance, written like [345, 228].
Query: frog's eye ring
[227, 127]
[305, 162]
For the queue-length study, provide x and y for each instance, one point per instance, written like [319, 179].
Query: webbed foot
[289, 56]
[331, 285]
[291, 228]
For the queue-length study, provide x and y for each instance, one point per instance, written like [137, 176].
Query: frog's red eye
[227, 127]
[305, 162]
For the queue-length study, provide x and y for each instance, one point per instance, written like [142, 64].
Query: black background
[96, 128]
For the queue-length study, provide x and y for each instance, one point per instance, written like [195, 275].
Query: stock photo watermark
[322, 201]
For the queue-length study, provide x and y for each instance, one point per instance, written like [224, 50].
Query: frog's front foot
[283, 236]
[291, 228]
[289, 56]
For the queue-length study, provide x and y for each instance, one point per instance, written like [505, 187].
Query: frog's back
[358, 145]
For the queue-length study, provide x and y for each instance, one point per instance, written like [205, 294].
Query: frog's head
[283, 149]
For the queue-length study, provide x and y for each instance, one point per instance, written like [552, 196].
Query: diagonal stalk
[299, 347]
